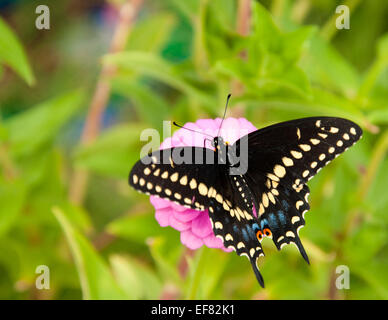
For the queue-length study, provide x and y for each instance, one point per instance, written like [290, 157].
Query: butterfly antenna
[223, 117]
[179, 126]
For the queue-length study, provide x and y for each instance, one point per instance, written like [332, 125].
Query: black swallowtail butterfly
[281, 158]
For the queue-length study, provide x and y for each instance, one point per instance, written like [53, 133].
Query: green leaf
[294, 80]
[204, 273]
[141, 227]
[137, 227]
[188, 8]
[136, 279]
[297, 282]
[150, 107]
[166, 254]
[322, 103]
[30, 130]
[374, 273]
[12, 196]
[151, 65]
[373, 75]
[379, 116]
[325, 66]
[382, 48]
[114, 152]
[233, 68]
[78, 217]
[3, 132]
[126, 277]
[265, 32]
[12, 53]
[223, 13]
[295, 42]
[96, 279]
[163, 241]
[271, 66]
[149, 35]
[361, 247]
[376, 196]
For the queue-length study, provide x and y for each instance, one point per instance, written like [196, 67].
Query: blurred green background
[75, 98]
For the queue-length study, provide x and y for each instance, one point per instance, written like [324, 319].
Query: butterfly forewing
[299, 147]
[168, 174]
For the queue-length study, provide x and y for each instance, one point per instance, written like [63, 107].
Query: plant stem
[244, 13]
[300, 10]
[9, 169]
[200, 49]
[244, 17]
[196, 277]
[101, 94]
[370, 79]
[277, 8]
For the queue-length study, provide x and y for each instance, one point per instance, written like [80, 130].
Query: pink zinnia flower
[195, 226]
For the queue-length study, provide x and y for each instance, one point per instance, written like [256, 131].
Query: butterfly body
[254, 188]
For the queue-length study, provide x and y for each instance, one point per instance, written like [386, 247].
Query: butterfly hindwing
[231, 214]
[238, 234]
[285, 220]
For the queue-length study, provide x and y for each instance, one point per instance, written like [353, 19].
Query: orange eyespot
[267, 232]
[259, 235]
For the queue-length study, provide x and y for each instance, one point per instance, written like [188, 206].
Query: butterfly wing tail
[255, 268]
[302, 251]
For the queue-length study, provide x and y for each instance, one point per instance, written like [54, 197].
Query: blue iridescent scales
[269, 200]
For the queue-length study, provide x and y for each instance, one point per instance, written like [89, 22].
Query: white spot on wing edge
[295, 219]
[240, 245]
[218, 225]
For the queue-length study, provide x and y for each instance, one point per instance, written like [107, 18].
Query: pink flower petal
[208, 124]
[190, 240]
[212, 241]
[230, 130]
[187, 215]
[244, 123]
[178, 225]
[159, 203]
[177, 207]
[176, 142]
[163, 217]
[166, 144]
[201, 226]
